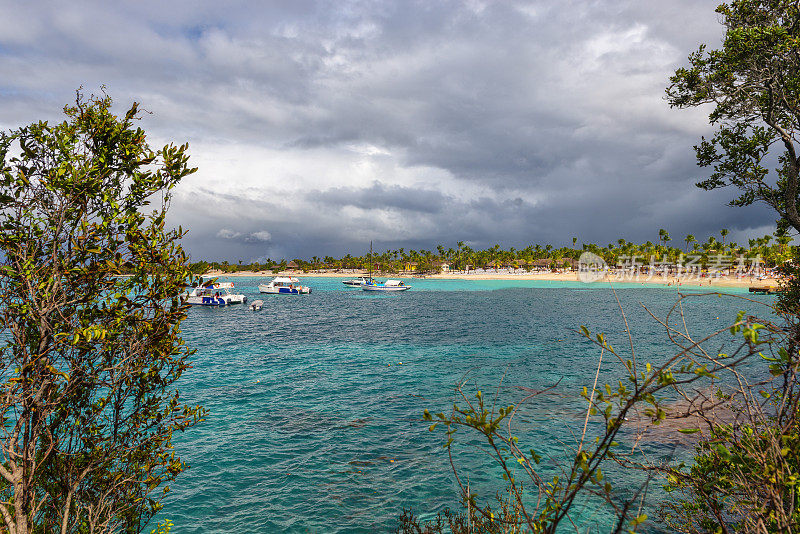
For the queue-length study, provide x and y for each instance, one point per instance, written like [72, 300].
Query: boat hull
[222, 300]
[355, 282]
[384, 289]
[284, 290]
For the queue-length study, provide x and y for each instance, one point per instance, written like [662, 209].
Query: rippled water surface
[315, 402]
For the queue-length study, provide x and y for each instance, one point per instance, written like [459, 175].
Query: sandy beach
[572, 276]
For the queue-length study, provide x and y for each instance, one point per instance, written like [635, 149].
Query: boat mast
[370, 262]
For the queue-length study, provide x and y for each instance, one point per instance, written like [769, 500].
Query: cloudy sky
[319, 126]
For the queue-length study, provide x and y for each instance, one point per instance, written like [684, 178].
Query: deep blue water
[315, 402]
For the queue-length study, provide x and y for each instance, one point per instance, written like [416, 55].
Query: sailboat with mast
[387, 286]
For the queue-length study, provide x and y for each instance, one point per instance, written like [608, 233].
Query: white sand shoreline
[644, 280]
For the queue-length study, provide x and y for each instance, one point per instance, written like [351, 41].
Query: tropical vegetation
[89, 358]
[735, 391]
[769, 250]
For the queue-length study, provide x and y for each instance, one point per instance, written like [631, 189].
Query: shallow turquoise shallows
[315, 403]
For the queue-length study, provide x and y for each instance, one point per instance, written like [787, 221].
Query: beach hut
[571, 262]
[440, 266]
[542, 263]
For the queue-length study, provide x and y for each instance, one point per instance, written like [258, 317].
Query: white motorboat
[284, 285]
[389, 285]
[256, 305]
[355, 282]
[209, 293]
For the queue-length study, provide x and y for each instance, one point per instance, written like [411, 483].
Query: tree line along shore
[92, 360]
[712, 262]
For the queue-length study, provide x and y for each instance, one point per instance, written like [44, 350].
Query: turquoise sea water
[315, 425]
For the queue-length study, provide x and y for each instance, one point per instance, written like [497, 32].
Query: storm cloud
[318, 127]
[382, 197]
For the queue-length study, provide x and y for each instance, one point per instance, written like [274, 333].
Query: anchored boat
[284, 285]
[355, 282]
[763, 290]
[389, 285]
[208, 293]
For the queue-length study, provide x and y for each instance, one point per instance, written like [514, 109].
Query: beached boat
[389, 285]
[284, 285]
[208, 293]
[355, 282]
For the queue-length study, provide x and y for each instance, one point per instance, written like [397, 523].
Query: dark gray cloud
[318, 127]
[379, 196]
[259, 237]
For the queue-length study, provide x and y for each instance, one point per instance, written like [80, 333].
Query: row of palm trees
[771, 250]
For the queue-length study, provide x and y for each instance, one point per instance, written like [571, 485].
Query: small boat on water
[763, 290]
[284, 285]
[209, 293]
[256, 305]
[389, 285]
[355, 282]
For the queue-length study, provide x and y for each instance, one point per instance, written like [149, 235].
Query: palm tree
[663, 235]
[712, 245]
[723, 233]
[783, 241]
[493, 256]
[689, 239]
